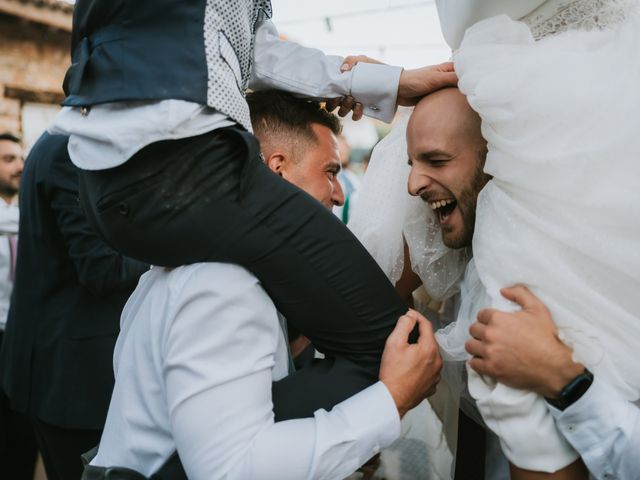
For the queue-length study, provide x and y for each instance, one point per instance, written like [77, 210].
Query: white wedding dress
[560, 108]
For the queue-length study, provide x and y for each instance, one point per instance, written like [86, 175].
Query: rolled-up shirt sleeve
[285, 65]
[604, 428]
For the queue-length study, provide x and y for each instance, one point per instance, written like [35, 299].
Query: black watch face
[572, 392]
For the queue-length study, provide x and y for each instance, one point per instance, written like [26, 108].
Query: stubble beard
[7, 189]
[467, 201]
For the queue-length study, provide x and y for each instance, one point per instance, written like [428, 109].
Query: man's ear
[277, 163]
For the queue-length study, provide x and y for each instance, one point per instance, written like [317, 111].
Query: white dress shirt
[604, 428]
[112, 133]
[8, 226]
[198, 350]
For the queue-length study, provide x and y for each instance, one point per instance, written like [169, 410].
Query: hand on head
[414, 84]
[410, 371]
[521, 349]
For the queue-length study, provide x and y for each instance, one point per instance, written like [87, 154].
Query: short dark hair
[279, 116]
[10, 137]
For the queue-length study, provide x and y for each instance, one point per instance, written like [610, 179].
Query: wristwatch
[572, 391]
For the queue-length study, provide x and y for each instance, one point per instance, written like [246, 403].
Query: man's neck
[7, 197]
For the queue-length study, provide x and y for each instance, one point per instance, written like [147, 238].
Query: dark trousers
[61, 449]
[211, 198]
[471, 451]
[18, 450]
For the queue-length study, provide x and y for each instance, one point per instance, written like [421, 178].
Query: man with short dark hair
[201, 347]
[298, 140]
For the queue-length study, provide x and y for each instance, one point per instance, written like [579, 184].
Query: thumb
[445, 79]
[402, 330]
[522, 296]
[445, 67]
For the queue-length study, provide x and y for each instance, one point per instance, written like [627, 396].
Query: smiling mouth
[443, 208]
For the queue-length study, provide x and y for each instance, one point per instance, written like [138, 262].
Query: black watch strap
[572, 391]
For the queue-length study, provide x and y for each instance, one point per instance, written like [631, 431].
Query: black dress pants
[18, 450]
[211, 198]
[61, 449]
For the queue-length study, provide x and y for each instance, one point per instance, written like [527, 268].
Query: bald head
[446, 153]
[446, 115]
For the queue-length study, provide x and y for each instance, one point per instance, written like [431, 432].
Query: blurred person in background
[349, 181]
[17, 443]
[70, 287]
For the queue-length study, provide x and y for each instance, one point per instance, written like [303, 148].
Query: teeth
[440, 204]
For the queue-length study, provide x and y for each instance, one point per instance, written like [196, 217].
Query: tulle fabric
[562, 213]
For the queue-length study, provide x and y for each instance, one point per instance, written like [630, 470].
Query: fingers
[486, 314]
[348, 63]
[425, 329]
[475, 348]
[352, 60]
[447, 79]
[333, 103]
[445, 67]
[522, 296]
[477, 330]
[358, 111]
[346, 106]
[479, 365]
[400, 334]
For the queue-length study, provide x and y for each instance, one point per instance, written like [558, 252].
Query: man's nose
[338, 195]
[417, 183]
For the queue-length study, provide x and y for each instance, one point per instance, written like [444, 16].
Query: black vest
[194, 50]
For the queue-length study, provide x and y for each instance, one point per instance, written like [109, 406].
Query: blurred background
[35, 37]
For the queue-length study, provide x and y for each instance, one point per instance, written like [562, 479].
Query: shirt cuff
[593, 422]
[583, 413]
[371, 418]
[376, 87]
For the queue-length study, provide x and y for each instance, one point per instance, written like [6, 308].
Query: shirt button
[608, 476]
[375, 108]
[571, 428]
[84, 111]
[123, 208]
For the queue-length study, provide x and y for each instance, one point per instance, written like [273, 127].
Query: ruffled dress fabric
[562, 212]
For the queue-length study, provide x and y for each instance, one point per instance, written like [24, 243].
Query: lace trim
[557, 16]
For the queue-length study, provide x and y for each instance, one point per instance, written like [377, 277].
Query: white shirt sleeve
[284, 65]
[218, 359]
[604, 428]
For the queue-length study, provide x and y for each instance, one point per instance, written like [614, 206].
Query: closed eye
[438, 163]
[332, 172]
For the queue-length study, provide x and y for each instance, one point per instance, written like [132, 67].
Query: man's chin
[455, 239]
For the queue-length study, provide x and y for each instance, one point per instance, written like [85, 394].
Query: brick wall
[33, 61]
